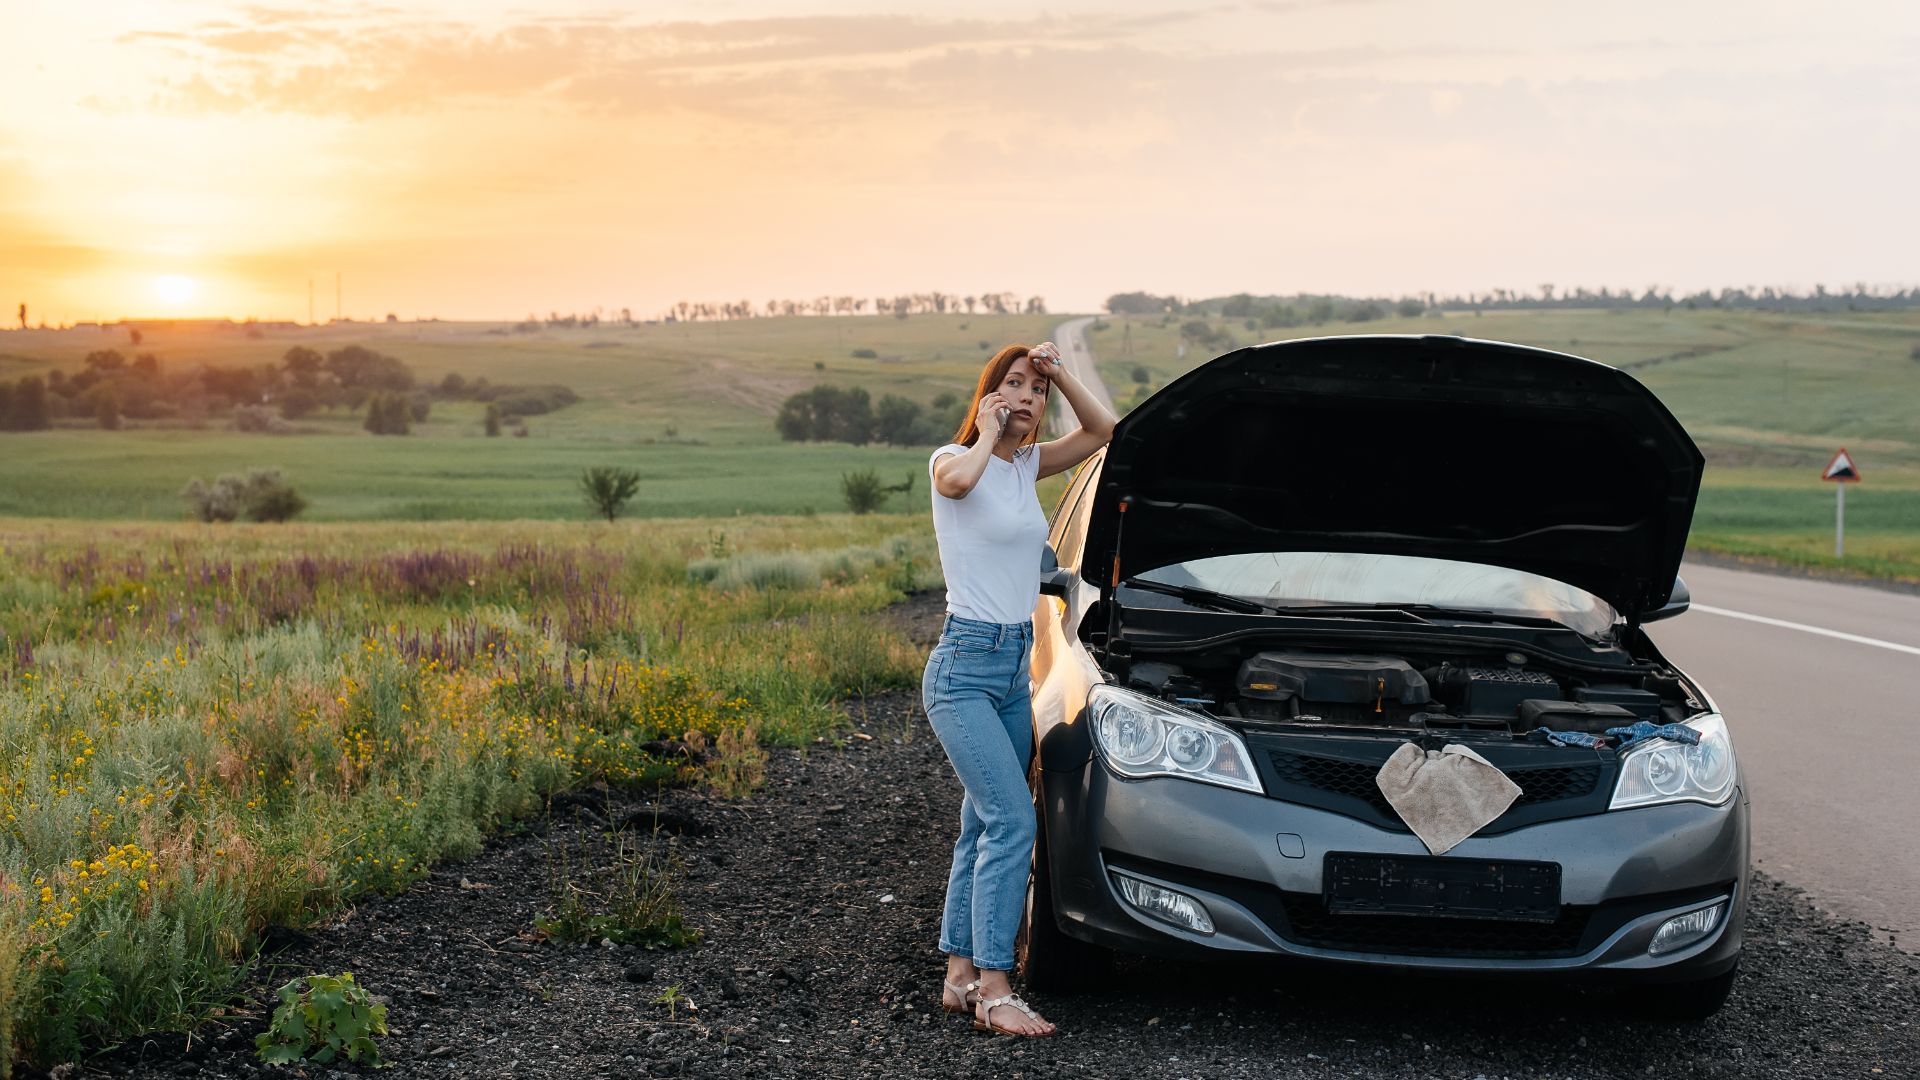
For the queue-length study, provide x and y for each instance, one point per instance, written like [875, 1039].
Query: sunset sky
[476, 159]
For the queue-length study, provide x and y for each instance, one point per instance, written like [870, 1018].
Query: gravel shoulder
[819, 897]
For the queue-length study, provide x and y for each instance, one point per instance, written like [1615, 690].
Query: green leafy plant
[671, 997]
[608, 488]
[332, 1016]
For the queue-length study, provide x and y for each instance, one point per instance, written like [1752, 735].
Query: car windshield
[1305, 578]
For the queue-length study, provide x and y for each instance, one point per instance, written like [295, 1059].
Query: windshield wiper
[1418, 610]
[1195, 595]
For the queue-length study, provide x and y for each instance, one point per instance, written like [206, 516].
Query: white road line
[1821, 630]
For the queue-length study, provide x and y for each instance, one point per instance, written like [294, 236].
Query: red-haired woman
[991, 530]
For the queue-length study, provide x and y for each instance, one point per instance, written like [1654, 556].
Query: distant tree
[134, 336]
[896, 421]
[105, 360]
[492, 421]
[106, 412]
[147, 364]
[27, 409]
[418, 407]
[23, 315]
[453, 384]
[608, 488]
[1409, 308]
[865, 354]
[303, 366]
[862, 491]
[1141, 374]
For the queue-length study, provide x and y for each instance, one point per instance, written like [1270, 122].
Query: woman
[991, 530]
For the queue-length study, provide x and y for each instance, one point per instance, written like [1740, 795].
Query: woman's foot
[1000, 1011]
[962, 986]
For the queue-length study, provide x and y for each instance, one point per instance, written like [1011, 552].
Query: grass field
[1768, 398]
[212, 731]
[690, 406]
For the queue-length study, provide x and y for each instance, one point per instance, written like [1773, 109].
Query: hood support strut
[1119, 654]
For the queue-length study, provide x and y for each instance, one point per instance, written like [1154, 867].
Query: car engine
[1511, 692]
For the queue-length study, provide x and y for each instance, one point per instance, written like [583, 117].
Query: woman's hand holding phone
[993, 415]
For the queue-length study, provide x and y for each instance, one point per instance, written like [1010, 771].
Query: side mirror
[1677, 602]
[1054, 579]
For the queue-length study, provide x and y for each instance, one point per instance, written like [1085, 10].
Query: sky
[477, 159]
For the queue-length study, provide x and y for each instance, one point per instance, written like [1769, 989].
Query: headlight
[1663, 771]
[1139, 736]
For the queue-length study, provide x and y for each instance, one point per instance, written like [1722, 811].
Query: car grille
[1356, 779]
[1428, 935]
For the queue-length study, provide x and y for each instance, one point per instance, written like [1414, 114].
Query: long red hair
[991, 377]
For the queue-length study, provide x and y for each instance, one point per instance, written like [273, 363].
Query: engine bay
[1503, 692]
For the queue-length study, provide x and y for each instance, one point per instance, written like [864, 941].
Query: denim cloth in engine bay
[978, 699]
[1640, 731]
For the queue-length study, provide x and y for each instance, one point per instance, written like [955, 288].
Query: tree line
[109, 388]
[1308, 308]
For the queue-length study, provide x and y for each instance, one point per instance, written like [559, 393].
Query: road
[1823, 715]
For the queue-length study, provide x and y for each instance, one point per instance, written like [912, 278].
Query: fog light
[1175, 907]
[1684, 930]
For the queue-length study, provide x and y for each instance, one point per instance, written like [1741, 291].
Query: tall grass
[214, 731]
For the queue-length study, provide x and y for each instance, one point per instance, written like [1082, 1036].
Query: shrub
[331, 1017]
[259, 419]
[865, 354]
[261, 495]
[985, 344]
[862, 490]
[608, 488]
[1141, 374]
[492, 422]
[388, 414]
[418, 408]
[106, 412]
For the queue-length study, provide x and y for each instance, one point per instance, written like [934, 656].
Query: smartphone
[1004, 415]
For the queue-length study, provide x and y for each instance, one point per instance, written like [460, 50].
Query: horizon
[481, 162]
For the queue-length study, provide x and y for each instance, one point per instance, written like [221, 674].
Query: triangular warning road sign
[1842, 469]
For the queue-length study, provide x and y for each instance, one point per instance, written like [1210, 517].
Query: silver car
[1299, 557]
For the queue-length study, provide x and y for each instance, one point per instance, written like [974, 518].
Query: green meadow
[1768, 397]
[690, 406]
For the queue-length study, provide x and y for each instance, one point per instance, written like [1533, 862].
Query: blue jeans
[976, 696]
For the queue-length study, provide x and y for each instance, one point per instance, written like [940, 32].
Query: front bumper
[1256, 864]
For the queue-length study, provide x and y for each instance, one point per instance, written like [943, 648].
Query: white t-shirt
[990, 541]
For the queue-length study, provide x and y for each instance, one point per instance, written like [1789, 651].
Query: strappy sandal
[986, 1010]
[966, 1002]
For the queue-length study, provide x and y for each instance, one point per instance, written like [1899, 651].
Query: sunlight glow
[175, 288]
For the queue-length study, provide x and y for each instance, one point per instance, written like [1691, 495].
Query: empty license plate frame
[1505, 890]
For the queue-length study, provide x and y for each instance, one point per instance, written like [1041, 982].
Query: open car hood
[1438, 446]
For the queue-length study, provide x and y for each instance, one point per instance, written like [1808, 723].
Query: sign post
[1841, 471]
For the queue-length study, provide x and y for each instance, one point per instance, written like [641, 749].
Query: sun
[175, 288]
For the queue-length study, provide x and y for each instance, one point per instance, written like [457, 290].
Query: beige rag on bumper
[1444, 795]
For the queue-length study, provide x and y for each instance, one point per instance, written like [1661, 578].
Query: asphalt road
[1825, 716]
[1825, 729]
